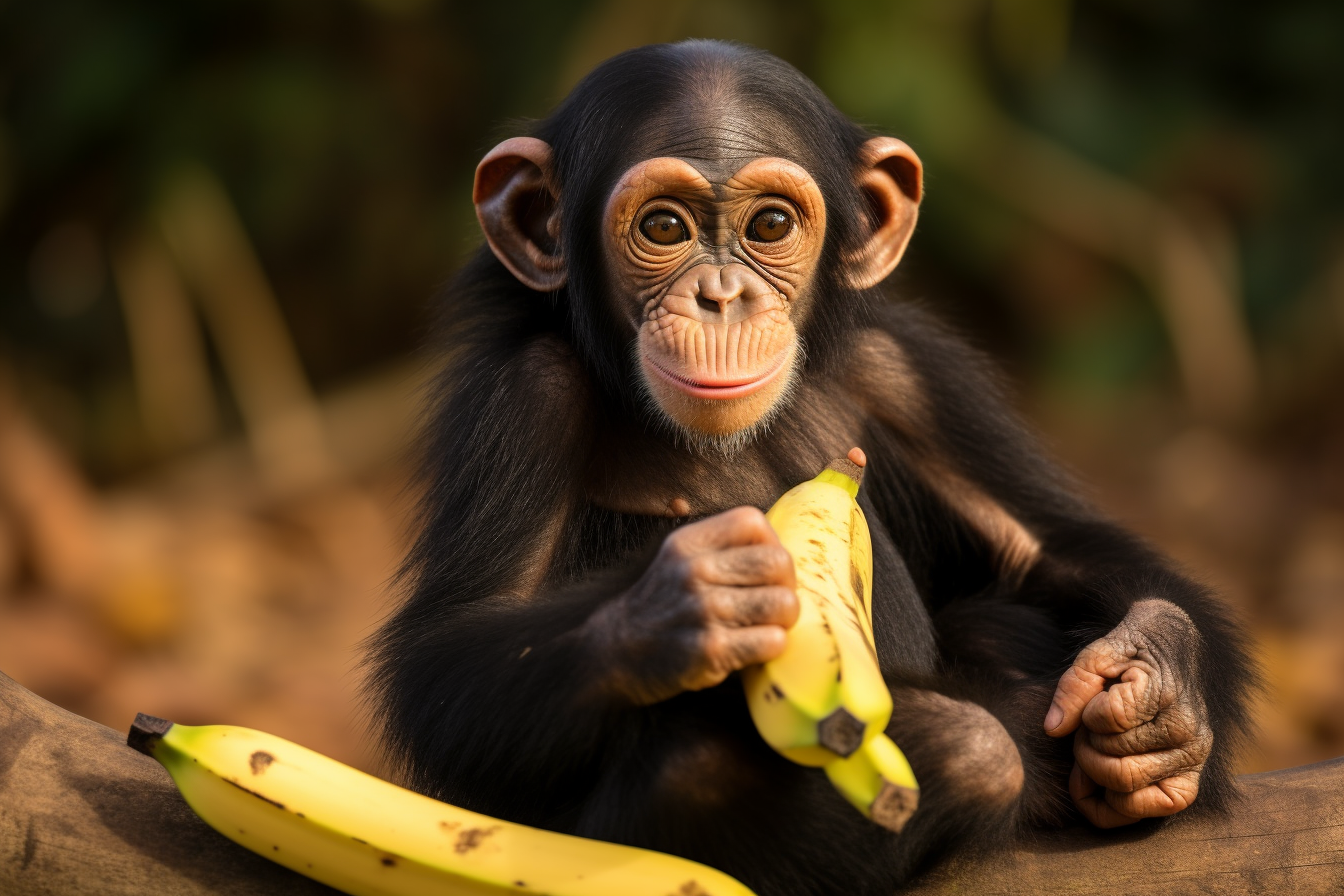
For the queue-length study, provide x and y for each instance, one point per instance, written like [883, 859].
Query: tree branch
[82, 814]
[1285, 836]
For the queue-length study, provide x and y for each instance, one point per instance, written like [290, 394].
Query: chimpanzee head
[710, 223]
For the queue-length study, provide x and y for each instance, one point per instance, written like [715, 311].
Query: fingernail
[1053, 717]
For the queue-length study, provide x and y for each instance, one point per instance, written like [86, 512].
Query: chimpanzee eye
[664, 228]
[769, 226]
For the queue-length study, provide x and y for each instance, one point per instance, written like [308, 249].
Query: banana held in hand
[823, 701]
[367, 837]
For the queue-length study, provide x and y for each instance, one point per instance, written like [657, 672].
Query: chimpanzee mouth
[721, 387]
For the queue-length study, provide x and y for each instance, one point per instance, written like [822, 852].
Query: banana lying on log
[823, 701]
[368, 837]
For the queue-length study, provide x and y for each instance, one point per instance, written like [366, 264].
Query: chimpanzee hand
[1144, 734]
[717, 597]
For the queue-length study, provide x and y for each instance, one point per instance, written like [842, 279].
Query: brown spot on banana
[471, 838]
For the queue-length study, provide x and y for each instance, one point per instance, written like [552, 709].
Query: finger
[1091, 800]
[1126, 704]
[757, 564]
[1127, 774]
[728, 649]
[739, 526]
[1076, 689]
[1158, 800]
[1098, 662]
[1174, 727]
[754, 645]
[743, 607]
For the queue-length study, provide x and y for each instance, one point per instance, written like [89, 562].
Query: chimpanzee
[676, 318]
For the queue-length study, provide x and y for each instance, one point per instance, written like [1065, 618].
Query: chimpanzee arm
[499, 686]
[500, 706]
[456, 673]
[511, 705]
[1169, 729]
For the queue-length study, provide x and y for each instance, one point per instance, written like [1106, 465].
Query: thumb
[1076, 688]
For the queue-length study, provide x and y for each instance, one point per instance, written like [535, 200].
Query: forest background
[222, 223]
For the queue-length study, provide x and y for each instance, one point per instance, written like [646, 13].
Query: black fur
[486, 696]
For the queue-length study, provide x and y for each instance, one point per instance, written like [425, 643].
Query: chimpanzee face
[709, 264]
[709, 260]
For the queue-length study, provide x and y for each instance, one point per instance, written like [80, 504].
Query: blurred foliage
[222, 223]
[345, 134]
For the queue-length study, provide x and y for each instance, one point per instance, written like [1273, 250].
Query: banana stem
[146, 732]
[846, 467]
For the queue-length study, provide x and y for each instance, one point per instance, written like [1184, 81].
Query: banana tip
[894, 806]
[840, 732]
[847, 466]
[146, 731]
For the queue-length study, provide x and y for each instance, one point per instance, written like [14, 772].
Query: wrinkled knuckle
[1193, 757]
[747, 516]
[1161, 625]
[697, 571]
[1130, 806]
[1089, 762]
[712, 648]
[1184, 788]
[774, 643]
[1166, 797]
[1180, 726]
[766, 643]
[701, 677]
[1123, 705]
[785, 603]
[1093, 656]
[1114, 745]
[778, 560]
[1133, 775]
[1202, 746]
[1086, 656]
[1149, 738]
[711, 604]
[752, 514]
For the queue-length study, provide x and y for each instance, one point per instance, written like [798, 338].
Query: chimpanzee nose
[713, 306]
[718, 286]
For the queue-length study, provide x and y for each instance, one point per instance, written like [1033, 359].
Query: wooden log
[1285, 837]
[82, 814]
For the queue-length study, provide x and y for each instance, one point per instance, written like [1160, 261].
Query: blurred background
[222, 223]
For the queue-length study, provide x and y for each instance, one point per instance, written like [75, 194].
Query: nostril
[708, 304]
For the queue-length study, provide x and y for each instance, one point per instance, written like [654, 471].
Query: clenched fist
[717, 598]
[1141, 729]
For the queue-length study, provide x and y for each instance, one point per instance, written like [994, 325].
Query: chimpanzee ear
[519, 210]
[891, 178]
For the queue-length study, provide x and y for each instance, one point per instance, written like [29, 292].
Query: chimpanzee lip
[719, 387]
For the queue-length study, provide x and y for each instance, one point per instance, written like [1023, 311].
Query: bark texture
[82, 814]
[1285, 837]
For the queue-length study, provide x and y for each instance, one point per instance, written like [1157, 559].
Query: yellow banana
[823, 701]
[367, 837]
